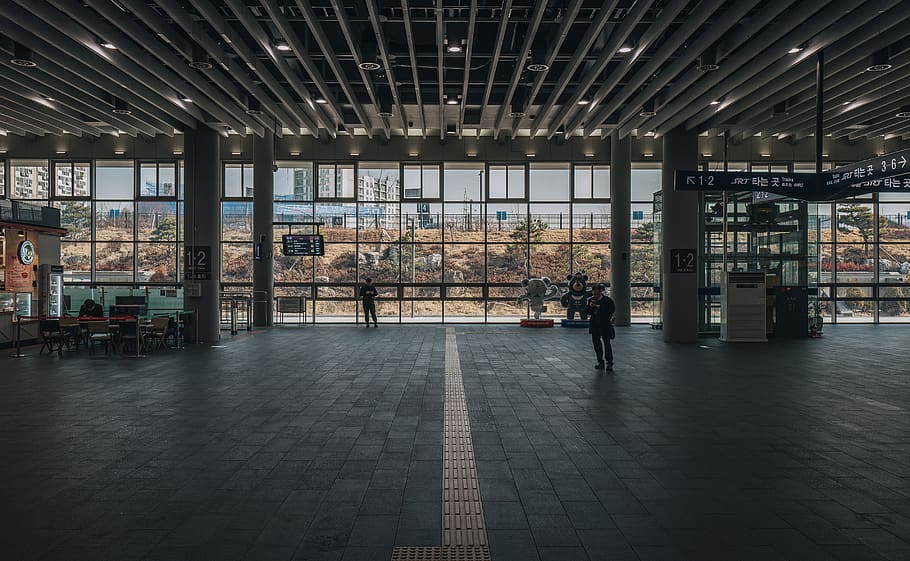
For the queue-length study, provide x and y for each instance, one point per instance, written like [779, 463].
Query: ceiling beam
[678, 52]
[409, 34]
[440, 70]
[554, 44]
[306, 61]
[584, 45]
[61, 70]
[611, 48]
[494, 62]
[329, 52]
[376, 22]
[530, 33]
[38, 110]
[28, 123]
[842, 53]
[311, 115]
[191, 27]
[11, 128]
[468, 57]
[136, 43]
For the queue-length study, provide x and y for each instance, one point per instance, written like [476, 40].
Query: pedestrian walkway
[330, 443]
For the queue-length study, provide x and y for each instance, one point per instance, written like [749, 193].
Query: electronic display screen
[300, 245]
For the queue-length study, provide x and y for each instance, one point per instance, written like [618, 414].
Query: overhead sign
[197, 262]
[301, 245]
[790, 184]
[871, 170]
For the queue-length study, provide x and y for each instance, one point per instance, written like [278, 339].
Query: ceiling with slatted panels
[426, 68]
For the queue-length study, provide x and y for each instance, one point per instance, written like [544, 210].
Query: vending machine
[50, 289]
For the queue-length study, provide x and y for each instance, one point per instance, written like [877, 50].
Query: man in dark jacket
[600, 310]
[368, 295]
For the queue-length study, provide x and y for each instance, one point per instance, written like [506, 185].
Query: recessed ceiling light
[879, 62]
[369, 65]
[178, 152]
[354, 154]
[61, 152]
[453, 45]
[413, 154]
[795, 50]
[294, 153]
[825, 155]
[321, 100]
[765, 155]
[121, 107]
[108, 45]
[648, 154]
[904, 112]
[186, 99]
[235, 153]
[707, 155]
[757, 134]
[471, 154]
[119, 152]
[714, 102]
[282, 45]
[3, 151]
[650, 133]
[22, 56]
[530, 155]
[848, 102]
[627, 47]
[648, 109]
[589, 154]
[47, 98]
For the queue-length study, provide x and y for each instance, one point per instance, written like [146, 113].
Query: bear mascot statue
[576, 298]
[537, 290]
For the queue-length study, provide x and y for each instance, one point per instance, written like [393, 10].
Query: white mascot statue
[538, 290]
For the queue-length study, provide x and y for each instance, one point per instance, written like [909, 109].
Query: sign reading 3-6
[197, 262]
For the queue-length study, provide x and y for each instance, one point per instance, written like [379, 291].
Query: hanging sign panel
[872, 173]
[299, 245]
[790, 184]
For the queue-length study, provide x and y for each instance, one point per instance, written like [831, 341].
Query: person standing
[368, 295]
[600, 310]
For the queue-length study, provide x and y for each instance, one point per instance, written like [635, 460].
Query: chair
[129, 333]
[52, 336]
[161, 328]
[72, 331]
[100, 332]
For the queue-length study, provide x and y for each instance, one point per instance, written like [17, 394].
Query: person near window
[600, 310]
[368, 295]
[90, 308]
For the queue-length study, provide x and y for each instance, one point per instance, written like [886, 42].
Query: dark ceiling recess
[386, 68]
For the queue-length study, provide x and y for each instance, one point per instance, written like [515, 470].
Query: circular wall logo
[26, 252]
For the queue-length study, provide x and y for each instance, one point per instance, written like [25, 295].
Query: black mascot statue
[576, 298]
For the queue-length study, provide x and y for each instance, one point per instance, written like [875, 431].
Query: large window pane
[550, 260]
[549, 223]
[340, 221]
[507, 222]
[421, 263]
[336, 181]
[157, 262]
[72, 179]
[549, 182]
[463, 222]
[291, 269]
[114, 221]
[237, 221]
[76, 217]
[507, 263]
[294, 181]
[379, 261]
[114, 262]
[76, 259]
[114, 180]
[157, 222]
[464, 182]
[464, 263]
[338, 265]
[591, 222]
[421, 222]
[593, 259]
[237, 262]
[645, 182]
[421, 181]
[30, 180]
[507, 182]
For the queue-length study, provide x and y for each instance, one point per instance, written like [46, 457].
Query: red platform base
[536, 323]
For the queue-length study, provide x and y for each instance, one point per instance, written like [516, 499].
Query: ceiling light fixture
[585, 99]
[471, 154]
[119, 152]
[294, 153]
[848, 102]
[707, 62]
[589, 154]
[186, 99]
[61, 152]
[707, 155]
[879, 62]
[178, 152]
[321, 100]
[530, 155]
[780, 109]
[413, 154]
[648, 154]
[765, 155]
[538, 63]
[20, 233]
[253, 106]
[650, 133]
[235, 153]
[795, 50]
[648, 109]
[200, 59]
[904, 112]
[22, 56]
[282, 45]
[353, 154]
[714, 102]
[369, 65]
[107, 45]
[453, 46]
[627, 47]
[121, 107]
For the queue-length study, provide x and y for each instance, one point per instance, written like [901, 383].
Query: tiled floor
[325, 443]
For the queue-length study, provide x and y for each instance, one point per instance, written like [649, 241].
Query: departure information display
[301, 245]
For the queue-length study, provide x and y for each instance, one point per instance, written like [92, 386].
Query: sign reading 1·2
[683, 260]
[197, 262]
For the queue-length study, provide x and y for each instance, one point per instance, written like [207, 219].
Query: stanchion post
[19, 352]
